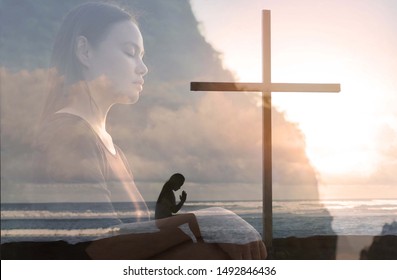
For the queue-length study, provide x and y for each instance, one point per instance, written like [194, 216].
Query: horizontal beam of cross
[261, 87]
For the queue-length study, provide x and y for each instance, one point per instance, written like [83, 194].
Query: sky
[325, 145]
[351, 136]
[215, 140]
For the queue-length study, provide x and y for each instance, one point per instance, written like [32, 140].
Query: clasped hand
[183, 196]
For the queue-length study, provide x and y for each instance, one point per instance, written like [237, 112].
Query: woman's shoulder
[65, 122]
[67, 149]
[67, 130]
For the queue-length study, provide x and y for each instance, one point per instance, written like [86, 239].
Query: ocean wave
[45, 214]
[6, 233]
[356, 203]
[373, 208]
[225, 204]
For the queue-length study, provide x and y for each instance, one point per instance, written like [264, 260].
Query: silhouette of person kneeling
[166, 207]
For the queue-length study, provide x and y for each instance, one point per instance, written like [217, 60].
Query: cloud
[217, 139]
[214, 138]
[22, 99]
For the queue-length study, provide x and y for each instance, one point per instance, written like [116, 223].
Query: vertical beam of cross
[267, 192]
[266, 87]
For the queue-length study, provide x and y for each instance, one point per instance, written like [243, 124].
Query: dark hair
[175, 179]
[91, 20]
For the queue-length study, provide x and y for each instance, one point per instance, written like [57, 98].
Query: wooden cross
[266, 87]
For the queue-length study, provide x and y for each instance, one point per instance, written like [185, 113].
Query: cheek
[114, 66]
[123, 72]
[123, 77]
[119, 71]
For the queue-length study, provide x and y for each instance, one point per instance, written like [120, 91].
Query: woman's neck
[83, 104]
[87, 101]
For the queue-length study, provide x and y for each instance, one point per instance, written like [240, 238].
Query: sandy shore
[291, 248]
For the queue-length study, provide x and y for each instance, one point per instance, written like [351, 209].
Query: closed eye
[132, 50]
[130, 54]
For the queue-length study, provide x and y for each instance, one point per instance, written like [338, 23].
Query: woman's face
[117, 63]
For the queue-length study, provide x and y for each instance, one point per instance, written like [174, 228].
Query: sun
[338, 128]
[339, 139]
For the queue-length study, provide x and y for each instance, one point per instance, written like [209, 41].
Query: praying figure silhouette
[166, 203]
[166, 208]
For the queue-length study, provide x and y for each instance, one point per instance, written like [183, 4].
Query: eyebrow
[142, 52]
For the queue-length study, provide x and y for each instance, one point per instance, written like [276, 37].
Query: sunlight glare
[338, 127]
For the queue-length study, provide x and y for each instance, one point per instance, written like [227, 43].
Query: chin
[128, 98]
[130, 101]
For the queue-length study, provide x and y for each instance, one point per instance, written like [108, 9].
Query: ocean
[300, 218]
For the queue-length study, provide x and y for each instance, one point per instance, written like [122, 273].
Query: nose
[142, 68]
